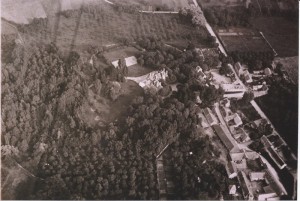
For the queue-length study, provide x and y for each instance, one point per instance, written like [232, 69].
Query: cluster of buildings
[129, 61]
[251, 178]
[254, 80]
[153, 79]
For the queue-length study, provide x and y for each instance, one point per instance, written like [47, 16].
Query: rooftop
[226, 138]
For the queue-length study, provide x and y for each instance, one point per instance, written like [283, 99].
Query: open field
[291, 65]
[103, 25]
[243, 40]
[281, 34]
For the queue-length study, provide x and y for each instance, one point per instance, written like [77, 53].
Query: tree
[225, 69]
[247, 97]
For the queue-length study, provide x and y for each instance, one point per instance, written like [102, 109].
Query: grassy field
[281, 34]
[103, 25]
[243, 40]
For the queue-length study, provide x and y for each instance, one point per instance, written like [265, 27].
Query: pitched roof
[231, 168]
[237, 156]
[232, 189]
[211, 119]
[254, 176]
[245, 184]
[226, 138]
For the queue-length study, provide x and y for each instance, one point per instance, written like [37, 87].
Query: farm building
[247, 76]
[226, 138]
[256, 176]
[129, 61]
[275, 157]
[231, 170]
[233, 88]
[238, 68]
[232, 189]
[245, 185]
[267, 71]
[210, 117]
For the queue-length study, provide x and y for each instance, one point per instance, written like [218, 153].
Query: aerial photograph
[149, 99]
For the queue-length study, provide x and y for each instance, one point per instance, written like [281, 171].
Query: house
[258, 72]
[267, 72]
[239, 156]
[231, 170]
[247, 76]
[234, 95]
[225, 102]
[256, 87]
[232, 189]
[210, 117]
[256, 176]
[266, 196]
[241, 135]
[238, 69]
[201, 117]
[200, 73]
[226, 138]
[129, 61]
[233, 88]
[276, 158]
[245, 185]
[237, 120]
[236, 157]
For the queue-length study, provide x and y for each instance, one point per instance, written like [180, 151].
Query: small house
[232, 189]
[247, 77]
[267, 72]
[256, 176]
[238, 68]
[231, 170]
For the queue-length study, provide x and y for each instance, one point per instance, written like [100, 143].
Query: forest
[42, 92]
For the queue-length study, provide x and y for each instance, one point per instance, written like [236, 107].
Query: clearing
[98, 110]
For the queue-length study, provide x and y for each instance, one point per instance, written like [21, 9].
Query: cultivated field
[243, 40]
[281, 34]
[104, 25]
